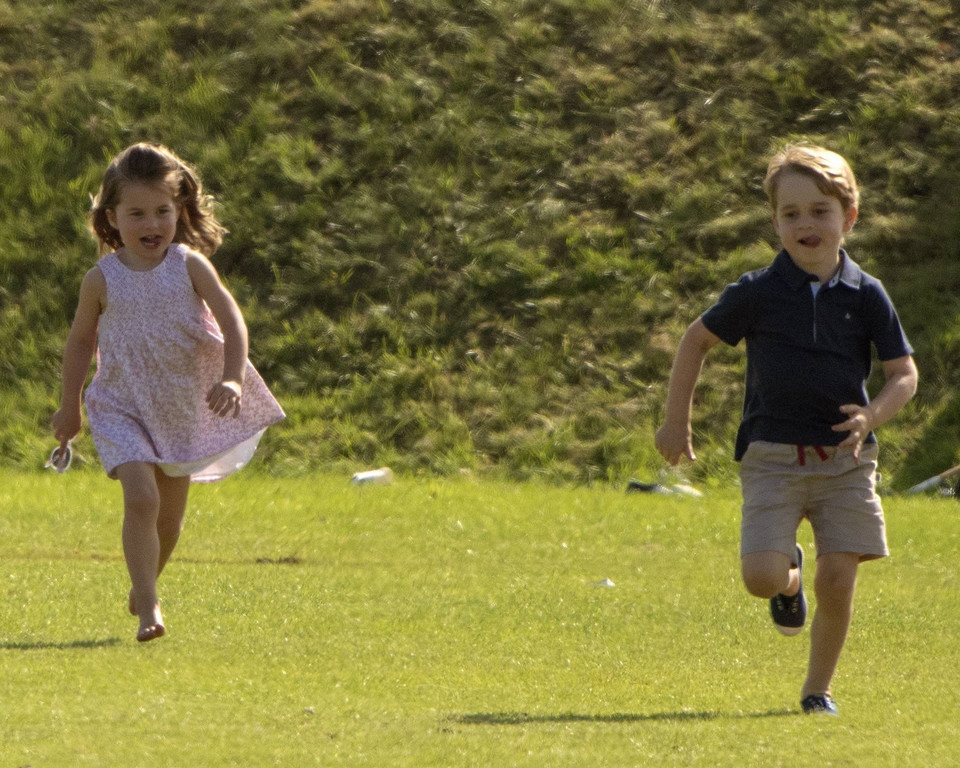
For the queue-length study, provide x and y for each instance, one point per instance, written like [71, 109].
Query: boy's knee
[765, 574]
[836, 575]
[765, 584]
[762, 585]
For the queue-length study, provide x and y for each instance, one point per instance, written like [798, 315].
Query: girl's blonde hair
[831, 173]
[144, 163]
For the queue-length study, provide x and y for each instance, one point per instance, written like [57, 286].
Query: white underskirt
[216, 467]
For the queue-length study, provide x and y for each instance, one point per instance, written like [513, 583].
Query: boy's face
[810, 223]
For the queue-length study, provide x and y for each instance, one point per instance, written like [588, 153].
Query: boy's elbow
[910, 378]
[913, 373]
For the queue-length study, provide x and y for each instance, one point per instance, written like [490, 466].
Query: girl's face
[811, 224]
[146, 217]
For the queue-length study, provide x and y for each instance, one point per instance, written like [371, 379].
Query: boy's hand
[674, 442]
[858, 424]
[224, 396]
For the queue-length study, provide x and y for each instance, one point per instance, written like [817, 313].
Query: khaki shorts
[837, 496]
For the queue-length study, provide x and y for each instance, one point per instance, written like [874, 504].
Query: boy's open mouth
[811, 241]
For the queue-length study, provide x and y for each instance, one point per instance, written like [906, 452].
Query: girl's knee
[141, 500]
[141, 505]
[169, 525]
[140, 493]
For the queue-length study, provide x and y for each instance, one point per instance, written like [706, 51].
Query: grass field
[453, 623]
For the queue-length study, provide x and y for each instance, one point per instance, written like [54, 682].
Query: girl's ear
[111, 217]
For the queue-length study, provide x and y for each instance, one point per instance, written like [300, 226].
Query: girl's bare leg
[173, 502]
[141, 543]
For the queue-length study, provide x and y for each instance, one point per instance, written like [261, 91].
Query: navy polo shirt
[807, 353]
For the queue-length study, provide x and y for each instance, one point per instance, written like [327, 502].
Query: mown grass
[452, 622]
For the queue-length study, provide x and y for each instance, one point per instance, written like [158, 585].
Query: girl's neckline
[122, 254]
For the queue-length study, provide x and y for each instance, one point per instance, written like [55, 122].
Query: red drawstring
[802, 454]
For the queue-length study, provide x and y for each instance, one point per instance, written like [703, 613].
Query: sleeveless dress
[159, 352]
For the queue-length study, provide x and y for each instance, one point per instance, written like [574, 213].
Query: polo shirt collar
[850, 274]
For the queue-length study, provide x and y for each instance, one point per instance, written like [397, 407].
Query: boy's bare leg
[835, 583]
[768, 574]
[141, 543]
[173, 503]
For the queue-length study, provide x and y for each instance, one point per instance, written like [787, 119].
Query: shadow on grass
[65, 646]
[523, 718]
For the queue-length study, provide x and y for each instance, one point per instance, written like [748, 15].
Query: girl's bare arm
[78, 353]
[224, 396]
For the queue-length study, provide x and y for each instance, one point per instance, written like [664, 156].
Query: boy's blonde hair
[831, 173]
[147, 163]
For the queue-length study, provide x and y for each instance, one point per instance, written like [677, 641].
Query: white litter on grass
[382, 476]
[681, 488]
[605, 583]
[688, 490]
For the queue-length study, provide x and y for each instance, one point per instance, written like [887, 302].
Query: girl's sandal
[151, 633]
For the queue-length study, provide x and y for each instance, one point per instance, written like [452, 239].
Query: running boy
[805, 442]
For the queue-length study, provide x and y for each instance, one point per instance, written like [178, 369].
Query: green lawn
[452, 623]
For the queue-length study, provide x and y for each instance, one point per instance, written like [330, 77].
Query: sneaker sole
[789, 631]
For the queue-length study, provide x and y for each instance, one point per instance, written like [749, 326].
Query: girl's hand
[66, 423]
[859, 422]
[224, 396]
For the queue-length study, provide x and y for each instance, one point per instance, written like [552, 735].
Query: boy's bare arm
[674, 439]
[900, 386]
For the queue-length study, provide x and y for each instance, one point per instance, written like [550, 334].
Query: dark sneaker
[819, 704]
[790, 613]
